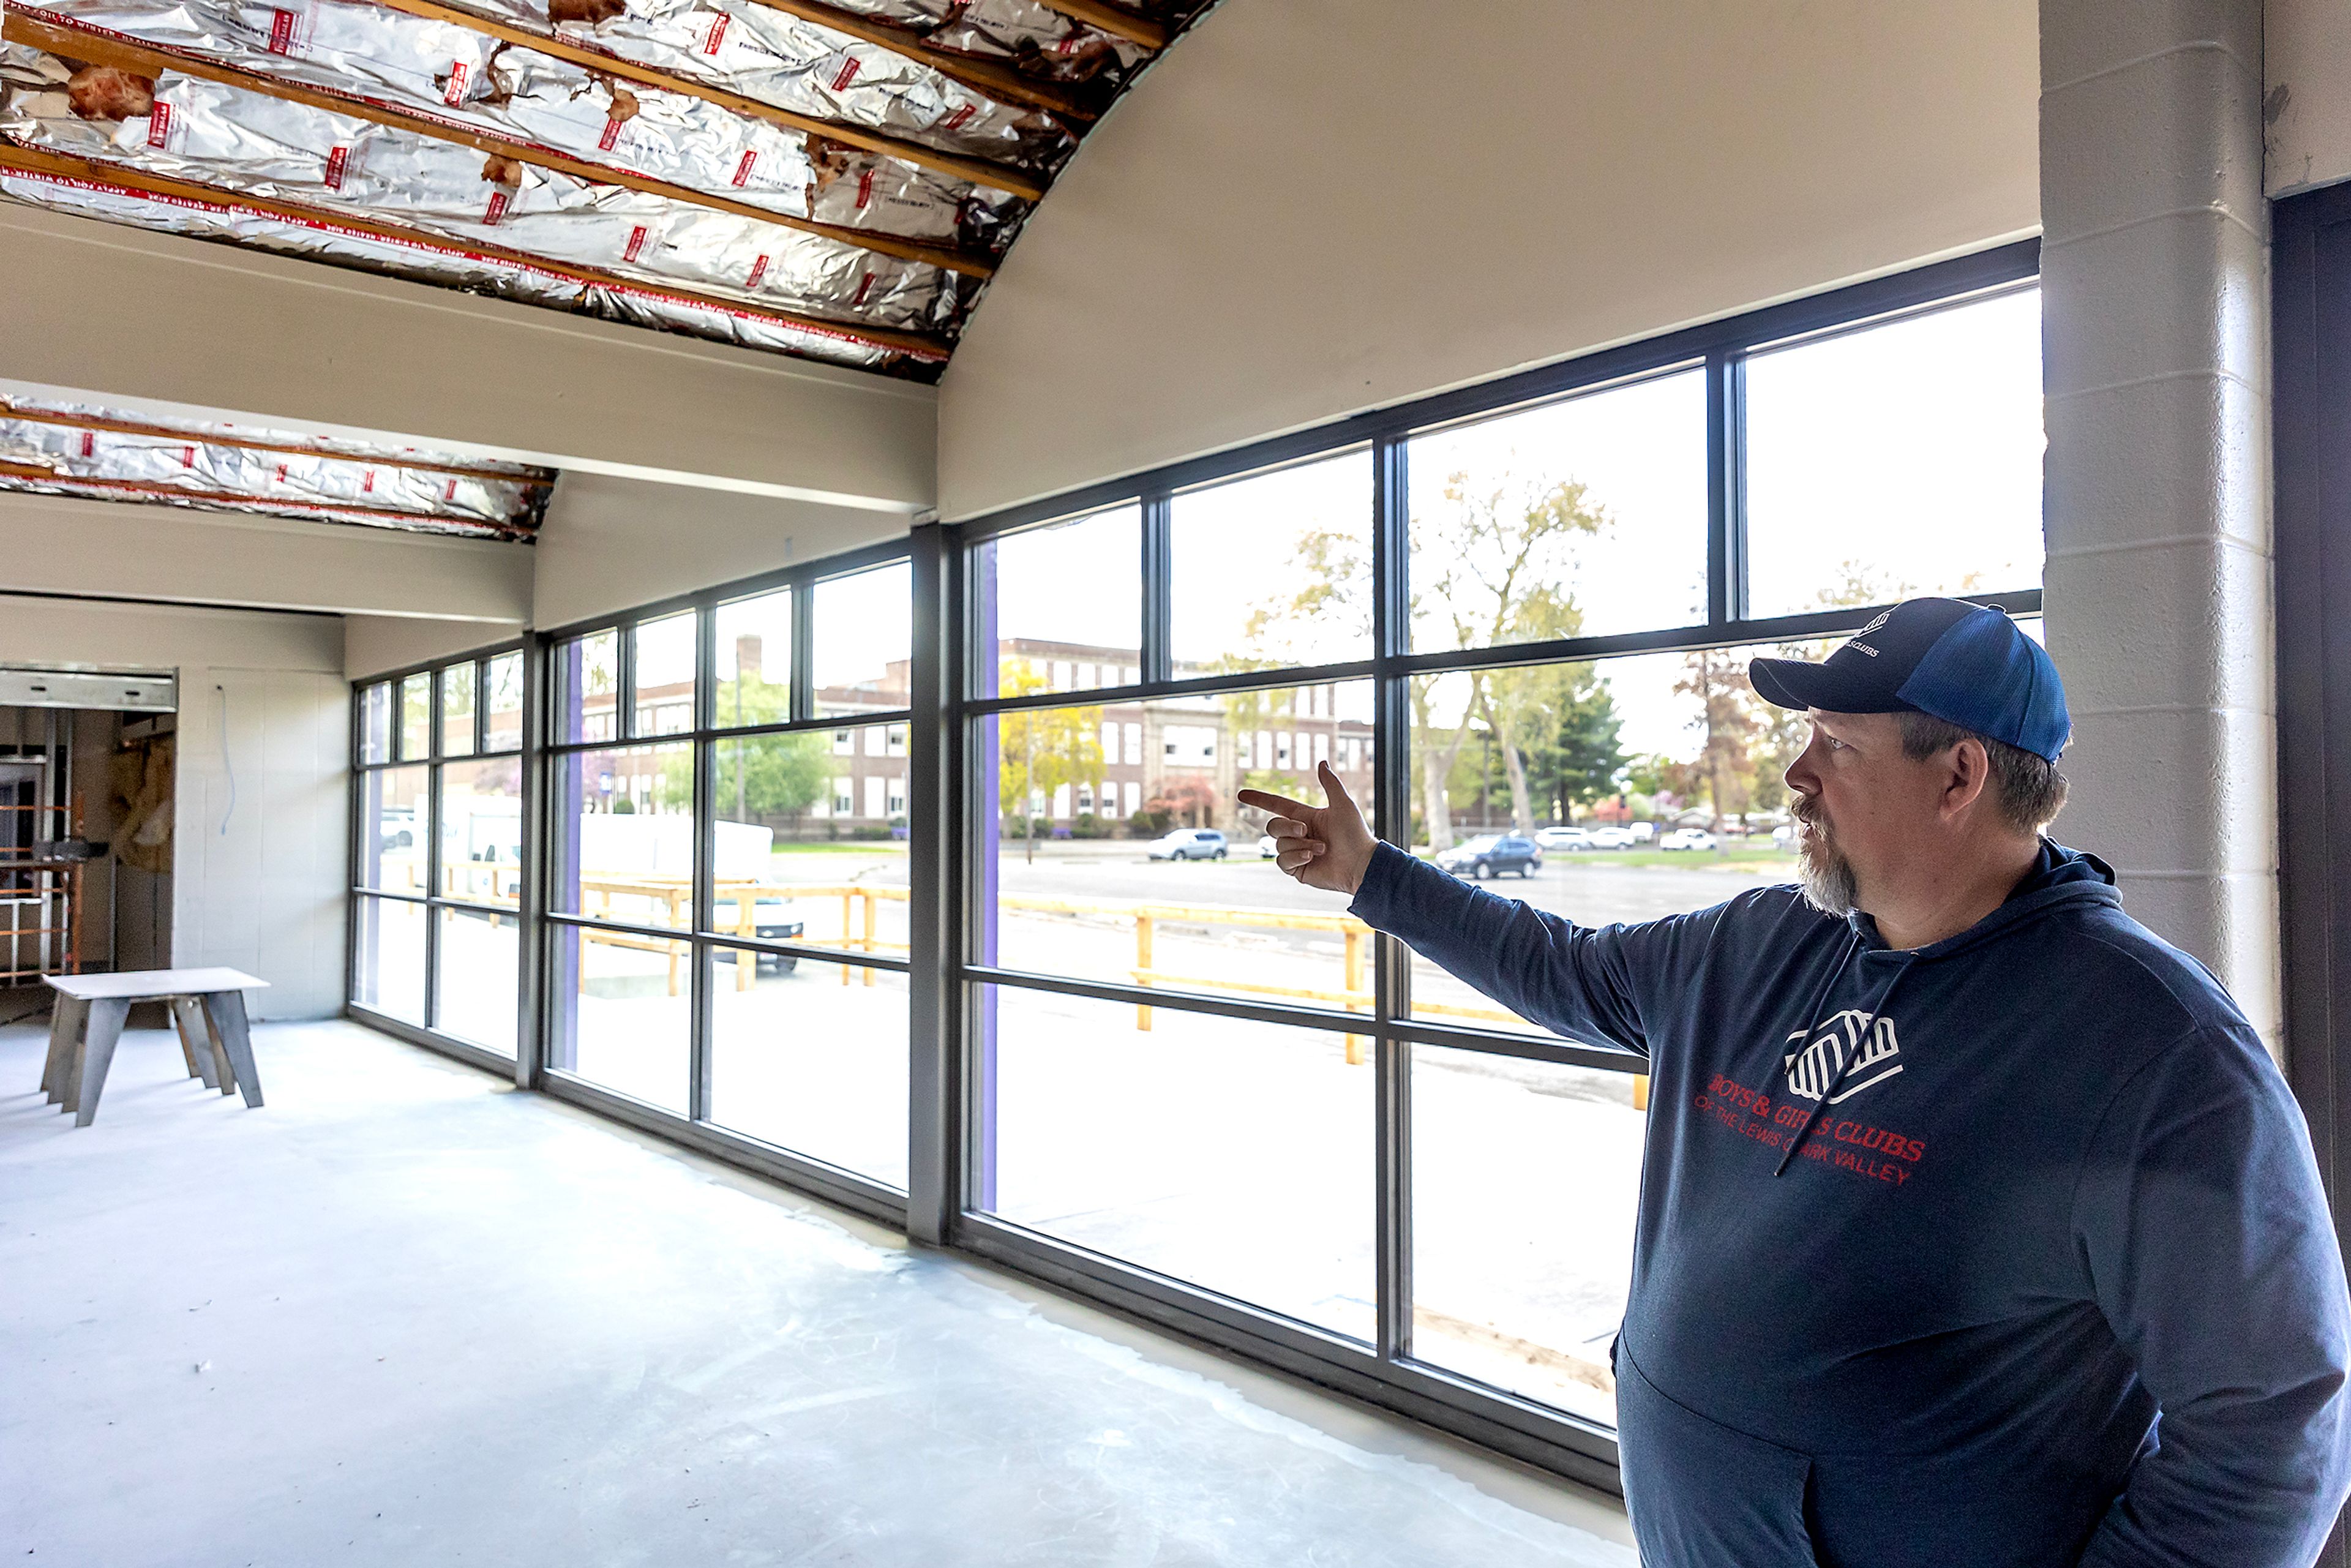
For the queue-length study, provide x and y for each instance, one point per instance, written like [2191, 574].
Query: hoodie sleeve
[2212, 1254]
[1578, 980]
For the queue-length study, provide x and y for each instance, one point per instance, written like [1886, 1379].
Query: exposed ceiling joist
[137, 184]
[9, 410]
[977, 170]
[1112, 19]
[151, 59]
[988, 76]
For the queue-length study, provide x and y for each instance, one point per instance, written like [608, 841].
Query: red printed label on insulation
[611, 136]
[88, 444]
[335, 162]
[187, 457]
[281, 33]
[367, 485]
[758, 271]
[281, 474]
[845, 75]
[497, 208]
[451, 493]
[864, 287]
[636, 243]
[717, 33]
[743, 169]
[455, 94]
[864, 189]
[158, 124]
[962, 117]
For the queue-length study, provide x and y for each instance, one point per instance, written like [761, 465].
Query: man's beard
[1825, 875]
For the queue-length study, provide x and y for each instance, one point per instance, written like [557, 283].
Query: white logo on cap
[1856, 642]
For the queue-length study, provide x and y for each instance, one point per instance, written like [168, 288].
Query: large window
[1516, 630]
[438, 831]
[918, 877]
[727, 866]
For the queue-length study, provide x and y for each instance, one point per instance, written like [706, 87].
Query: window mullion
[1726, 487]
[1158, 589]
[1391, 820]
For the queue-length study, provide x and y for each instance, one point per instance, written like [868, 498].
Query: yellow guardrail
[860, 927]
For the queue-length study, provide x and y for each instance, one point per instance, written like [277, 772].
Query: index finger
[1281, 805]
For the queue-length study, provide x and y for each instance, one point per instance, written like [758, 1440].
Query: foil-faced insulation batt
[199, 465]
[247, 143]
[459, 77]
[455, 265]
[737, 44]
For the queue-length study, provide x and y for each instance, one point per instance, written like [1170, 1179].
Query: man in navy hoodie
[1977, 1227]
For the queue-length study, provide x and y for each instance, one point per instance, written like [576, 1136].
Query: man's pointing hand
[1323, 846]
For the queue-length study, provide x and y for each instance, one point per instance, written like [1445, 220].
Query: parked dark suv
[1490, 856]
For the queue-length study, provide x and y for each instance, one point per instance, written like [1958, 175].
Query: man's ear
[1967, 775]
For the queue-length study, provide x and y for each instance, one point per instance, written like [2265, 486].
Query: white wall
[614, 544]
[374, 644]
[58, 544]
[1313, 207]
[2307, 63]
[268, 895]
[166, 323]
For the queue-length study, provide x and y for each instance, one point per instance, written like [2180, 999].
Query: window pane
[755, 661]
[394, 811]
[1234, 1155]
[864, 640]
[812, 1058]
[811, 838]
[416, 717]
[375, 723]
[1581, 519]
[480, 980]
[505, 694]
[1511, 1286]
[1061, 606]
[624, 849]
[1898, 460]
[665, 676]
[1669, 811]
[1274, 570]
[587, 686]
[1110, 843]
[620, 1013]
[390, 972]
[458, 710]
[481, 831]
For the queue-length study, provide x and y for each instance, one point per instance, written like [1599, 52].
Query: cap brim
[1800, 683]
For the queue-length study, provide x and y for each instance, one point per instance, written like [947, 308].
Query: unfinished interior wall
[1313, 207]
[261, 798]
[2154, 275]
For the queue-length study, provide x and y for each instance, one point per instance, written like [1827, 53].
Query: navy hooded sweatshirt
[2049, 1279]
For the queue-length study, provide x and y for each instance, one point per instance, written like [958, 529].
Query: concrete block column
[2154, 279]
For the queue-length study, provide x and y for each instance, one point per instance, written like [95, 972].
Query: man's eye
[1834, 743]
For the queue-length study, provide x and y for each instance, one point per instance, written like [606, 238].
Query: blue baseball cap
[1965, 663]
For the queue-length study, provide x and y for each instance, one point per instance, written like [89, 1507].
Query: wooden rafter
[283, 448]
[977, 170]
[150, 59]
[989, 76]
[430, 521]
[134, 182]
[1114, 20]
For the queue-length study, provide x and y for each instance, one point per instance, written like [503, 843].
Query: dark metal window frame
[849, 1188]
[942, 811]
[433, 761]
[1384, 1373]
[2311, 334]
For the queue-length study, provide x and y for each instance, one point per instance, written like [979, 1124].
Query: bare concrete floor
[404, 1315]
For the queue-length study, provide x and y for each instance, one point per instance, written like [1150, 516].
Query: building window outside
[438, 837]
[1135, 1129]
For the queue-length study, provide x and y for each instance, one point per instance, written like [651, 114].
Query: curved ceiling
[832, 179]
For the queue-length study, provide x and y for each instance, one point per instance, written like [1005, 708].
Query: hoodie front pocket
[1704, 1495]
